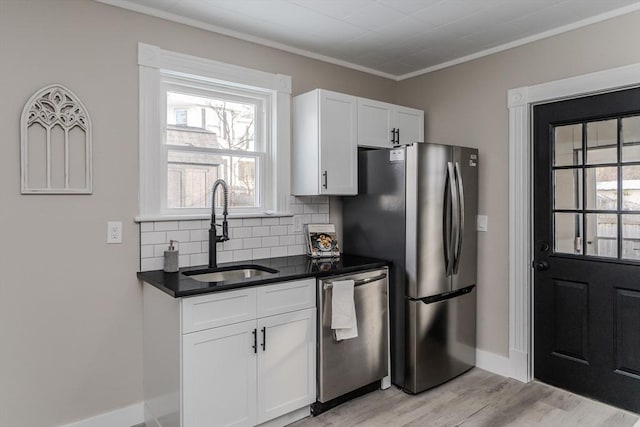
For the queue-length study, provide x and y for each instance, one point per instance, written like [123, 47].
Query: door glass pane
[602, 142]
[602, 188]
[567, 190]
[631, 237]
[602, 235]
[567, 146]
[631, 139]
[631, 188]
[567, 232]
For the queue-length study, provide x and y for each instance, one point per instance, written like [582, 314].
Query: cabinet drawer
[285, 297]
[223, 308]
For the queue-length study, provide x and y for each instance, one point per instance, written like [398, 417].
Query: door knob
[541, 265]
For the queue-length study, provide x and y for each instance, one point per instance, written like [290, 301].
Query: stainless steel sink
[227, 274]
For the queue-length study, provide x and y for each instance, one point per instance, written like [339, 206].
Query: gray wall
[467, 105]
[70, 305]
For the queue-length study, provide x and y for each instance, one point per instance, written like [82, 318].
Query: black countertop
[289, 268]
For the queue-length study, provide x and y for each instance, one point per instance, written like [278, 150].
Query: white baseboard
[493, 363]
[122, 417]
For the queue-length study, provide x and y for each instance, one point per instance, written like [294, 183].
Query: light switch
[482, 222]
[114, 232]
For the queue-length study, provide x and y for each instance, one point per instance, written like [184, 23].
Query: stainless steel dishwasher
[347, 365]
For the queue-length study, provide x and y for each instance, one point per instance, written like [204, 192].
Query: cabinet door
[374, 124]
[338, 145]
[286, 363]
[219, 376]
[410, 123]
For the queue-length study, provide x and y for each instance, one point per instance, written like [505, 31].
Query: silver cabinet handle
[326, 180]
[329, 285]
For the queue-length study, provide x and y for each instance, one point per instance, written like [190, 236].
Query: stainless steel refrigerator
[416, 206]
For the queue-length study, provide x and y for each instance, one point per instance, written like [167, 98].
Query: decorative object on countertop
[322, 241]
[171, 258]
[56, 143]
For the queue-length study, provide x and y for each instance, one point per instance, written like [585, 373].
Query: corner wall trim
[492, 362]
[520, 102]
[122, 417]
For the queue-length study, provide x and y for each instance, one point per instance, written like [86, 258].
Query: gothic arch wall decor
[56, 143]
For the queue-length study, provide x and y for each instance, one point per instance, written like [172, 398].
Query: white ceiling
[392, 38]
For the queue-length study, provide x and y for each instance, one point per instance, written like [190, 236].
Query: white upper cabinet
[384, 125]
[324, 151]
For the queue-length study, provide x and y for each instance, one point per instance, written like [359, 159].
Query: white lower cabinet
[286, 363]
[244, 373]
[219, 377]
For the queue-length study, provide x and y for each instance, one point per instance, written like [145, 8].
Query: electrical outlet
[297, 223]
[114, 232]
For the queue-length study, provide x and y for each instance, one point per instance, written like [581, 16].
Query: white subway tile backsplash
[251, 243]
[180, 236]
[270, 241]
[149, 264]
[242, 255]
[199, 259]
[310, 209]
[286, 220]
[146, 251]
[250, 222]
[231, 245]
[287, 240]
[270, 221]
[166, 225]
[190, 225]
[146, 226]
[240, 232]
[250, 238]
[261, 253]
[190, 248]
[225, 257]
[199, 235]
[153, 237]
[260, 231]
[278, 251]
[279, 230]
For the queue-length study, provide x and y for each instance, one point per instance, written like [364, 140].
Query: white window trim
[520, 103]
[154, 61]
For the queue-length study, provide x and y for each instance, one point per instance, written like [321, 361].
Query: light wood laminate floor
[479, 399]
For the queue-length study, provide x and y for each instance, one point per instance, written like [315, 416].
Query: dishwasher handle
[329, 285]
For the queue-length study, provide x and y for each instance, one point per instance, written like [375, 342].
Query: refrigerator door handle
[450, 219]
[460, 226]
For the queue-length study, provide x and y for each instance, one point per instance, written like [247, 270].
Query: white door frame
[520, 102]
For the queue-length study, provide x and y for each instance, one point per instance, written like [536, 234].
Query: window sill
[160, 218]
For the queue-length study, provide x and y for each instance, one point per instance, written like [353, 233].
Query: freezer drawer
[441, 339]
[344, 366]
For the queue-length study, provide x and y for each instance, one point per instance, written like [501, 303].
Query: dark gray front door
[587, 246]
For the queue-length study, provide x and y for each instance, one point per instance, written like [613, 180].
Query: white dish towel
[343, 310]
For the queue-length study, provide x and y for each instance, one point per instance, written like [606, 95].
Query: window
[202, 120]
[225, 138]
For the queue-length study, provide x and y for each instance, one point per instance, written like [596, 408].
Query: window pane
[190, 179]
[602, 235]
[567, 145]
[631, 139]
[211, 122]
[631, 188]
[567, 191]
[631, 237]
[602, 142]
[602, 188]
[567, 232]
